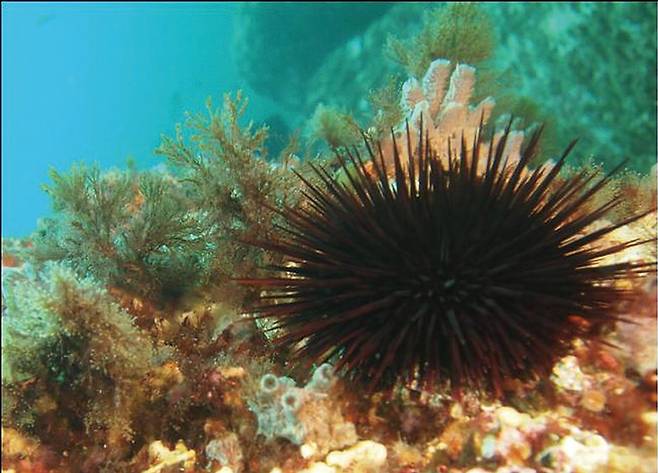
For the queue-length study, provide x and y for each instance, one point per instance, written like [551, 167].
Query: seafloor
[127, 344]
[596, 412]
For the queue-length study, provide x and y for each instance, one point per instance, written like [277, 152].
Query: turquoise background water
[99, 83]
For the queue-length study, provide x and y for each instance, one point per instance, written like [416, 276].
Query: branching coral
[441, 101]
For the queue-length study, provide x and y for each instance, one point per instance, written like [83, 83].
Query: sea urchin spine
[446, 271]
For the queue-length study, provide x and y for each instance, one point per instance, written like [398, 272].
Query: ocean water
[98, 82]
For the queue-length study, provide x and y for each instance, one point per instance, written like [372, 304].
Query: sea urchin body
[448, 271]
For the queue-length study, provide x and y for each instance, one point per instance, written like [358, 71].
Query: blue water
[100, 83]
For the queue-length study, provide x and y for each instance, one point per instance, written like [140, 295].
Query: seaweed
[334, 127]
[459, 32]
[224, 171]
[72, 356]
[163, 235]
[130, 229]
[385, 105]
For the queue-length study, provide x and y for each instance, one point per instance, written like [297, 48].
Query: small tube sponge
[279, 406]
[269, 384]
[322, 379]
[292, 401]
[277, 403]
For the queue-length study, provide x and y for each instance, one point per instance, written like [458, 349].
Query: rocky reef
[586, 70]
[128, 344]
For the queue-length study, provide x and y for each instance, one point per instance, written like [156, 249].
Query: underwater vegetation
[459, 32]
[72, 359]
[135, 257]
[427, 299]
[335, 128]
[162, 233]
[130, 229]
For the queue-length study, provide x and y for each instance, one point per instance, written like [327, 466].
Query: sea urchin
[463, 267]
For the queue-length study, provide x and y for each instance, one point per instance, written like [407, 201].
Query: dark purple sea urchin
[443, 272]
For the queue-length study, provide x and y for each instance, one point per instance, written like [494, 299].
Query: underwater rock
[593, 400]
[592, 66]
[364, 457]
[163, 460]
[571, 60]
[278, 47]
[225, 452]
[22, 454]
[630, 459]
[580, 452]
[567, 375]
[346, 76]
[639, 339]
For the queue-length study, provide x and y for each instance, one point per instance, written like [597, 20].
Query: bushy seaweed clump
[72, 360]
[227, 178]
[386, 108]
[334, 127]
[161, 234]
[131, 229]
[81, 371]
[459, 32]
